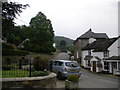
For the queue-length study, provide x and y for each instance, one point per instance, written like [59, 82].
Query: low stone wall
[48, 81]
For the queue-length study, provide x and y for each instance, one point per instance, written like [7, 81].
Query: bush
[8, 61]
[8, 46]
[6, 67]
[40, 63]
[73, 78]
[38, 73]
[10, 52]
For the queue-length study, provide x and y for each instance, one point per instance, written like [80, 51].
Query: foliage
[73, 78]
[8, 60]
[57, 40]
[9, 11]
[41, 34]
[9, 52]
[14, 73]
[62, 43]
[8, 46]
[40, 63]
[21, 73]
[39, 73]
[68, 43]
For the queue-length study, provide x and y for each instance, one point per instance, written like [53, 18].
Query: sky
[72, 18]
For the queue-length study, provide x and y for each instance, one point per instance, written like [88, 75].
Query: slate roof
[100, 45]
[90, 34]
[90, 57]
[113, 58]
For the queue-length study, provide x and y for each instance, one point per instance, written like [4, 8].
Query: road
[91, 80]
[61, 56]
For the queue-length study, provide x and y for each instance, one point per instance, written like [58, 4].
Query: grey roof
[113, 58]
[90, 34]
[100, 45]
[88, 57]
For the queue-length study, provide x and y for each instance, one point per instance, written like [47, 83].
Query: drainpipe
[117, 65]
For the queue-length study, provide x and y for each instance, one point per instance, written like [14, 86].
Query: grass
[14, 73]
[21, 73]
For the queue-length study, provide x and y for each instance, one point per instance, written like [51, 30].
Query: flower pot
[71, 85]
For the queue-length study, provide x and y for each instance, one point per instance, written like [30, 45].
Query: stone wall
[48, 81]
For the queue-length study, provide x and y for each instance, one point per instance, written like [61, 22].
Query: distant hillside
[57, 40]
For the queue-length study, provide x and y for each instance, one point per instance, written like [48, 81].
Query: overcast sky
[72, 18]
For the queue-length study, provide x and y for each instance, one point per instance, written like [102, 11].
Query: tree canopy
[41, 34]
[10, 10]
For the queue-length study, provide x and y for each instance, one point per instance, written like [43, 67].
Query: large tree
[9, 12]
[41, 36]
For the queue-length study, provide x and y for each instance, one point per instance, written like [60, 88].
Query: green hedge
[8, 46]
[9, 52]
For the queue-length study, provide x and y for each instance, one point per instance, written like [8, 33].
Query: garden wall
[48, 81]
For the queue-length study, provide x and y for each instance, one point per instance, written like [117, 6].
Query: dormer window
[106, 54]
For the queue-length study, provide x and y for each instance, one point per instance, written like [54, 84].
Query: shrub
[73, 78]
[40, 63]
[38, 73]
[8, 46]
[6, 67]
[8, 61]
[9, 52]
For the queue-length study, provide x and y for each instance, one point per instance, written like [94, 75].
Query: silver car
[64, 68]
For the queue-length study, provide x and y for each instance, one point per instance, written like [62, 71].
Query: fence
[16, 68]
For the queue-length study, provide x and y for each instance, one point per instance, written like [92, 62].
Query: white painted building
[101, 55]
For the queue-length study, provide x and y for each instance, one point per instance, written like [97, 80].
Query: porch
[113, 65]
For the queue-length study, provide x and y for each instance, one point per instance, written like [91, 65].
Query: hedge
[10, 52]
[8, 46]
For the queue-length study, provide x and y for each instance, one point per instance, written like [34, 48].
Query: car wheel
[59, 76]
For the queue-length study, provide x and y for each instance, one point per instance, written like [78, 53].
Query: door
[114, 67]
[94, 66]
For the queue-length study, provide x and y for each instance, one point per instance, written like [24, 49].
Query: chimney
[90, 29]
[91, 40]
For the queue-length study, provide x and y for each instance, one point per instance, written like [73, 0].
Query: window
[72, 64]
[106, 54]
[89, 52]
[57, 63]
[106, 65]
[118, 65]
[114, 65]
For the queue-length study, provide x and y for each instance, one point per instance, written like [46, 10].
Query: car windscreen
[71, 64]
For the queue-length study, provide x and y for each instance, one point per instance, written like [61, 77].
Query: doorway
[94, 66]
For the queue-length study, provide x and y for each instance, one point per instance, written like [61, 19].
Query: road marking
[109, 81]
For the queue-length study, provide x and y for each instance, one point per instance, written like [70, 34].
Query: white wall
[119, 26]
[98, 54]
[119, 46]
[113, 49]
[84, 53]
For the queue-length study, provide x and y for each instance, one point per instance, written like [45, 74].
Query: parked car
[64, 68]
